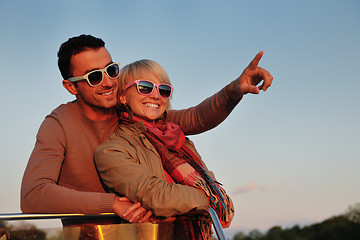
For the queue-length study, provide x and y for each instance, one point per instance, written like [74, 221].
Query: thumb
[253, 89]
[123, 199]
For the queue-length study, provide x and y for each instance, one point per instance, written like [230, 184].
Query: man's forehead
[91, 59]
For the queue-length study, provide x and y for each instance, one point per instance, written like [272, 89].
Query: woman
[150, 161]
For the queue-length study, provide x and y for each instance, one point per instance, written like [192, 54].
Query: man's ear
[70, 87]
[122, 99]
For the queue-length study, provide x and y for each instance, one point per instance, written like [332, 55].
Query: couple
[61, 176]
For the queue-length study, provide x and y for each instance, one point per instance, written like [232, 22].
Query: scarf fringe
[219, 201]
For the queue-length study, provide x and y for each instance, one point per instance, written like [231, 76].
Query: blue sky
[286, 156]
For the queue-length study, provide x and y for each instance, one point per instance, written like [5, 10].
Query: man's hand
[249, 79]
[132, 212]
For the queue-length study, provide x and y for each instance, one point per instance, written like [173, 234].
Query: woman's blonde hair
[129, 73]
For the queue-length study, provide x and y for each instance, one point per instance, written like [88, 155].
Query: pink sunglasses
[146, 87]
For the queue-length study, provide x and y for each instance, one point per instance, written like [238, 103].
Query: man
[61, 176]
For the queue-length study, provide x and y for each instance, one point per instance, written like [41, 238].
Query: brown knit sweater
[61, 177]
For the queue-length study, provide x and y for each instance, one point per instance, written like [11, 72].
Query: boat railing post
[217, 225]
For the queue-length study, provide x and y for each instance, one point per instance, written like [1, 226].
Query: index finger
[255, 62]
[146, 217]
[137, 214]
[133, 207]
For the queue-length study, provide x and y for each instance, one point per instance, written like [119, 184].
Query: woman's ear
[70, 87]
[122, 99]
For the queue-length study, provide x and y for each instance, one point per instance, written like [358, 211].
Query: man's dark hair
[72, 47]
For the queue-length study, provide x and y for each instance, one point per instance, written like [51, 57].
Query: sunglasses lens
[113, 71]
[95, 77]
[145, 87]
[164, 90]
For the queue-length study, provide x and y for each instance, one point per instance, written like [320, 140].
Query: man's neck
[96, 113]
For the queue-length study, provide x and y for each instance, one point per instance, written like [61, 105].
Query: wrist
[233, 92]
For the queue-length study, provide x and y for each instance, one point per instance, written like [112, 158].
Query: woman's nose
[155, 93]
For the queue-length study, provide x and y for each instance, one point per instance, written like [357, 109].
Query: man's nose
[107, 81]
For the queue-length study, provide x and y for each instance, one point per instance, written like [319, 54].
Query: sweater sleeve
[40, 192]
[204, 116]
[120, 170]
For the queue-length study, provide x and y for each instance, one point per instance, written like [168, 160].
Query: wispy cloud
[245, 188]
[250, 187]
[264, 187]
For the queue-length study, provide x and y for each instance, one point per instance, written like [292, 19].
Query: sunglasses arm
[75, 79]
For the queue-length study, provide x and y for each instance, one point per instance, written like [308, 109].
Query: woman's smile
[152, 105]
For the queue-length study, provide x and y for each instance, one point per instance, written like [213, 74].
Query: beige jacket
[130, 165]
